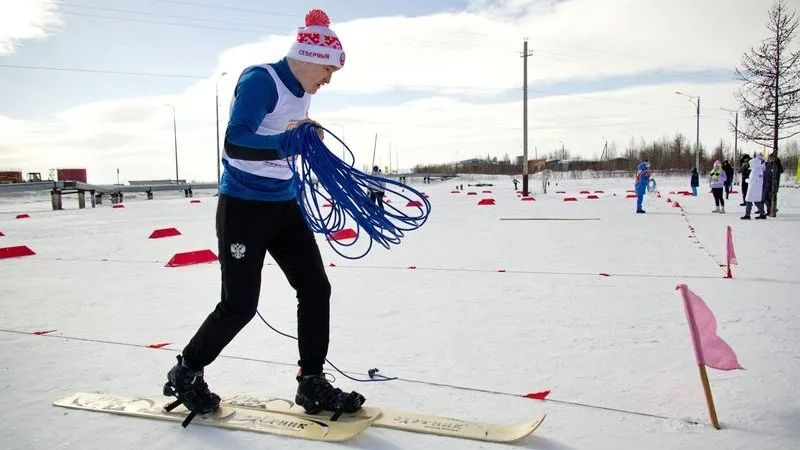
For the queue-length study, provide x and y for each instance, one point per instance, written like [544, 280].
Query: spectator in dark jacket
[744, 163]
[728, 169]
[773, 169]
[695, 181]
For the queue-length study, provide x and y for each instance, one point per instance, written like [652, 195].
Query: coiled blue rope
[346, 189]
[651, 185]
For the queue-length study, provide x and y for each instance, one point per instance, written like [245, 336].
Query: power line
[422, 43]
[102, 71]
[561, 56]
[461, 32]
[423, 87]
[159, 22]
[428, 44]
[534, 128]
[167, 16]
[230, 8]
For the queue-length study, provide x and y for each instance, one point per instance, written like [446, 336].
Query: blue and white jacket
[267, 102]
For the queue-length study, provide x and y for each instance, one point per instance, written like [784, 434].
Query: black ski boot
[315, 393]
[191, 390]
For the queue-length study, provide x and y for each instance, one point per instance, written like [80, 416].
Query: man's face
[314, 76]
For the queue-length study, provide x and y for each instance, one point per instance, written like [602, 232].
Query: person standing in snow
[377, 188]
[772, 176]
[744, 163]
[726, 166]
[258, 213]
[755, 192]
[642, 177]
[695, 181]
[717, 180]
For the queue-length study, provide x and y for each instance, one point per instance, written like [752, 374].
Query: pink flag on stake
[709, 349]
[731, 254]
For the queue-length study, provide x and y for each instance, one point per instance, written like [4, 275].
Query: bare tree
[611, 151]
[770, 72]
[720, 151]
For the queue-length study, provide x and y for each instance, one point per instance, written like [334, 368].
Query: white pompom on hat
[316, 43]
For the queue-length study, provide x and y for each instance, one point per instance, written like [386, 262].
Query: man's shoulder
[257, 71]
[257, 77]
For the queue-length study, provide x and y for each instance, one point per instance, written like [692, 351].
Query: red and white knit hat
[316, 43]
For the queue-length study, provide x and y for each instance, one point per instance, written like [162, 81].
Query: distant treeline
[675, 154]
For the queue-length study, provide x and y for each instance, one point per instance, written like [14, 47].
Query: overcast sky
[438, 80]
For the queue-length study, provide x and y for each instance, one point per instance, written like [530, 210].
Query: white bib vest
[288, 110]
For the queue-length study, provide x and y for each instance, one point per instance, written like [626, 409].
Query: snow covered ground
[613, 350]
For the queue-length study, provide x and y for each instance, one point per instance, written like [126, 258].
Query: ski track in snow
[607, 347]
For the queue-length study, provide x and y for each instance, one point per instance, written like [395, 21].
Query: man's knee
[239, 307]
[320, 289]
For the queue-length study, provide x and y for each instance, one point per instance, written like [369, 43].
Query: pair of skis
[283, 417]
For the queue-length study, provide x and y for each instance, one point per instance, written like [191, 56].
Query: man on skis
[257, 212]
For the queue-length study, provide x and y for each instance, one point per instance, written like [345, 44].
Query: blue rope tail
[320, 172]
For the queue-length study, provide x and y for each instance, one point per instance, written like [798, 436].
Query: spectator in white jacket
[756, 182]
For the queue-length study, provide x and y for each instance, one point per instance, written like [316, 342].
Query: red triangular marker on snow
[39, 333]
[537, 395]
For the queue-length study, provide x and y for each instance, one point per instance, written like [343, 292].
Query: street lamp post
[175, 137]
[697, 142]
[216, 114]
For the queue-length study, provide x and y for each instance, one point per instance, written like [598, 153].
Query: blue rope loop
[346, 189]
[651, 185]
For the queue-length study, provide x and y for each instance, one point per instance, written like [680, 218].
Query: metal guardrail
[156, 187]
[145, 188]
[31, 187]
[106, 189]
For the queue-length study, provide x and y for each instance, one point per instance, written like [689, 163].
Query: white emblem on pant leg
[237, 250]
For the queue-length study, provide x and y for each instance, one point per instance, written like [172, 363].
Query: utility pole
[175, 136]
[735, 144]
[604, 154]
[697, 143]
[525, 55]
[374, 149]
[697, 138]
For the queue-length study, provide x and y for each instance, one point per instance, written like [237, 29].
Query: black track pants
[718, 197]
[246, 231]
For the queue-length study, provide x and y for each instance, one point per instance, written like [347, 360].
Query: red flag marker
[538, 395]
[709, 349]
[163, 344]
[39, 333]
[730, 253]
